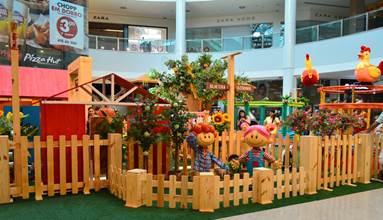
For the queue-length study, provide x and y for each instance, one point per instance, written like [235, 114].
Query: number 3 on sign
[67, 27]
[64, 26]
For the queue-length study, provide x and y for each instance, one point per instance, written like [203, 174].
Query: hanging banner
[34, 32]
[67, 24]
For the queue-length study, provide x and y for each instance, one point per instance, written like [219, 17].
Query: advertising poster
[34, 33]
[67, 22]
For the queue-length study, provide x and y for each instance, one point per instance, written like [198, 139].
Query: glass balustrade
[375, 19]
[193, 46]
[344, 27]
[354, 25]
[330, 30]
[308, 34]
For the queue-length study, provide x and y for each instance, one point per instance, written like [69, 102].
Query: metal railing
[351, 25]
[234, 43]
[131, 45]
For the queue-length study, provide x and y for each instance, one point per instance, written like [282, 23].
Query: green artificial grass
[103, 205]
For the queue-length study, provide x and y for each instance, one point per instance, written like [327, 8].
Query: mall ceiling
[200, 8]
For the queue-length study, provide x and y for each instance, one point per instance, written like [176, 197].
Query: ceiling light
[242, 7]
[113, 30]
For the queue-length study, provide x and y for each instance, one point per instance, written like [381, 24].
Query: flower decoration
[226, 117]
[220, 121]
[323, 122]
[6, 125]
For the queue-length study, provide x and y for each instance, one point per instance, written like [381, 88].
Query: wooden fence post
[309, 161]
[5, 196]
[364, 158]
[114, 152]
[206, 192]
[135, 188]
[264, 178]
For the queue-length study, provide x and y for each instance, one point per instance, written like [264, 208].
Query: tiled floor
[359, 206]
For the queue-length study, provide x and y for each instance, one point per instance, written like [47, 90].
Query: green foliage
[190, 78]
[304, 100]
[177, 81]
[299, 121]
[208, 70]
[242, 96]
[142, 127]
[107, 124]
[6, 126]
[178, 118]
[323, 122]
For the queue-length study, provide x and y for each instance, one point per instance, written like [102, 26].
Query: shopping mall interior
[89, 74]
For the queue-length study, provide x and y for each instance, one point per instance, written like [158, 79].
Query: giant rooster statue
[309, 76]
[366, 72]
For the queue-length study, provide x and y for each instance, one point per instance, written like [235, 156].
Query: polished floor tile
[359, 206]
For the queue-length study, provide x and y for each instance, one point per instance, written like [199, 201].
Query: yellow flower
[9, 116]
[218, 118]
[226, 117]
[175, 70]
[188, 69]
[205, 65]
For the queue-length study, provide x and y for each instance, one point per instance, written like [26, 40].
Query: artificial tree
[143, 126]
[206, 71]
[178, 118]
[190, 79]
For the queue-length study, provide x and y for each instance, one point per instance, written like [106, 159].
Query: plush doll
[257, 136]
[201, 136]
[310, 75]
[365, 72]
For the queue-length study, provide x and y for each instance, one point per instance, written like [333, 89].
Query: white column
[289, 47]
[180, 27]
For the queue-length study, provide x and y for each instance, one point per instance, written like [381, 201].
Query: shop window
[262, 35]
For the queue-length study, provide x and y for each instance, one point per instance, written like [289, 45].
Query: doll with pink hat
[257, 136]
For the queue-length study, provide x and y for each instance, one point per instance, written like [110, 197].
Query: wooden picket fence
[91, 176]
[158, 158]
[324, 163]
[337, 161]
[206, 192]
[309, 163]
[377, 147]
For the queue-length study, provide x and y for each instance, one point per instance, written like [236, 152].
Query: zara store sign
[100, 18]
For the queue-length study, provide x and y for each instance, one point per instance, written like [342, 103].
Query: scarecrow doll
[201, 136]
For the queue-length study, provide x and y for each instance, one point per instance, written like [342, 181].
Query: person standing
[242, 121]
[376, 123]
